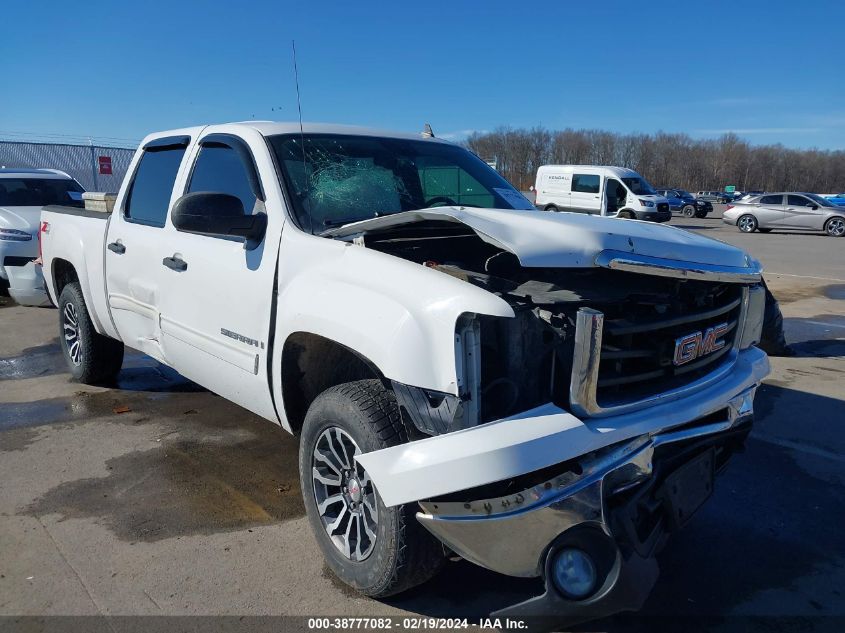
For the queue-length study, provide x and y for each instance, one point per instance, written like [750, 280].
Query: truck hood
[565, 240]
[20, 218]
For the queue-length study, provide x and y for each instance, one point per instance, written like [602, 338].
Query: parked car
[713, 196]
[465, 374]
[22, 194]
[685, 203]
[791, 210]
[749, 194]
[837, 199]
[596, 190]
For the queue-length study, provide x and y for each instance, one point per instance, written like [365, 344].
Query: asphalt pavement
[157, 497]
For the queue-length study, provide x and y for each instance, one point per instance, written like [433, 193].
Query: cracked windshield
[342, 179]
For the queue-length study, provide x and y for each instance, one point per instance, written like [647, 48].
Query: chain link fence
[95, 167]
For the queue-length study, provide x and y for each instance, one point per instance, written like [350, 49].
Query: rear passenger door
[216, 305]
[586, 193]
[770, 211]
[134, 245]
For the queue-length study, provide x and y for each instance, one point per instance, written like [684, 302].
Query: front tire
[688, 211]
[747, 223]
[551, 207]
[379, 551]
[835, 227]
[91, 357]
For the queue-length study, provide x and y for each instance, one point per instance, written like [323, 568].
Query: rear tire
[747, 223]
[361, 416]
[91, 357]
[835, 227]
[688, 211]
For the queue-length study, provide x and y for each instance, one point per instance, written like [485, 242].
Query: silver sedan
[788, 211]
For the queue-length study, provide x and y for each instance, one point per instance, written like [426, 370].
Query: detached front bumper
[507, 495]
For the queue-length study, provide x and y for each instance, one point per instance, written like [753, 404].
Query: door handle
[117, 247]
[175, 263]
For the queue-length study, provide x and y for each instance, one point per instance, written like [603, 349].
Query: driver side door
[217, 291]
[801, 213]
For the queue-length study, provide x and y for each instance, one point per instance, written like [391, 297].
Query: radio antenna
[301, 133]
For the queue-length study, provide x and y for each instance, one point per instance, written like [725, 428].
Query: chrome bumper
[511, 534]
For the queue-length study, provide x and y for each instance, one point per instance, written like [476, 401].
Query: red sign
[105, 165]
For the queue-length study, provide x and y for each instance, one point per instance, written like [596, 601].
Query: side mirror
[218, 214]
[814, 206]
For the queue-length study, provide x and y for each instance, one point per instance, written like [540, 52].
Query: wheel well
[310, 365]
[63, 274]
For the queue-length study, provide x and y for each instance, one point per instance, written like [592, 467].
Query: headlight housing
[646, 203]
[755, 311]
[14, 235]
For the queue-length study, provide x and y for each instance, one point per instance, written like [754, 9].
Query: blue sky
[770, 71]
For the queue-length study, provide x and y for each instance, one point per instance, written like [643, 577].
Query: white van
[598, 190]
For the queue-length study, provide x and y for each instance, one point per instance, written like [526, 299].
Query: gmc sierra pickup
[545, 395]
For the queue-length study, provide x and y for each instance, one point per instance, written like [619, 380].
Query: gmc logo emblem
[695, 345]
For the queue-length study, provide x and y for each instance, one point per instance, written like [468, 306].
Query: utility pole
[94, 165]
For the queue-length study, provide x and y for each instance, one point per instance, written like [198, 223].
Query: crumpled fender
[399, 315]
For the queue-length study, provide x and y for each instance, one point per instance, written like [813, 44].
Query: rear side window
[149, 196]
[220, 169]
[771, 200]
[585, 183]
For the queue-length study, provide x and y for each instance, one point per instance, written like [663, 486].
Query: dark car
[685, 203]
[714, 196]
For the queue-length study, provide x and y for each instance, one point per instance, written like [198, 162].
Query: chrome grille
[626, 356]
[637, 355]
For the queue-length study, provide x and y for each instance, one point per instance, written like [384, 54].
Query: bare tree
[669, 160]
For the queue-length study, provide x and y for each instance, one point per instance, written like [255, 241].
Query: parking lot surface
[158, 497]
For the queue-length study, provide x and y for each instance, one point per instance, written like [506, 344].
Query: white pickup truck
[545, 395]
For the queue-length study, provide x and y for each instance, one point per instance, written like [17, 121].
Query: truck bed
[71, 239]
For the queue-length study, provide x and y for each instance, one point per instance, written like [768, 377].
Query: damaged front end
[586, 428]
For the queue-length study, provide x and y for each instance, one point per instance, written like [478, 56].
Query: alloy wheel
[836, 227]
[70, 325]
[747, 224]
[344, 494]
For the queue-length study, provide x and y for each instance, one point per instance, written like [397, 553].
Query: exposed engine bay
[527, 361]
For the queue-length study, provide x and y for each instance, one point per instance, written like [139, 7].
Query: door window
[149, 194]
[616, 195]
[771, 200]
[799, 201]
[586, 183]
[220, 169]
